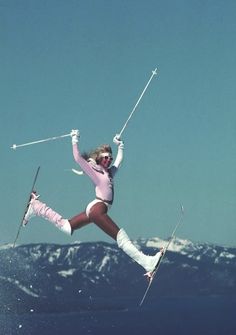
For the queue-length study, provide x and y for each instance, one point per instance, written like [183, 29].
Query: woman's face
[105, 159]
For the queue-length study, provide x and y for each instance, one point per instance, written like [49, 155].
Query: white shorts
[92, 203]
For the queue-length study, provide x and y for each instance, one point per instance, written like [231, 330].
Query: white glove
[74, 135]
[118, 141]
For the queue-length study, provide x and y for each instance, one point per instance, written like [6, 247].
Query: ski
[27, 204]
[161, 258]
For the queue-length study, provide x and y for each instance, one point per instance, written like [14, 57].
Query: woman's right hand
[75, 136]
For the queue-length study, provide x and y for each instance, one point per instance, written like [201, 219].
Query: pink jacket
[102, 179]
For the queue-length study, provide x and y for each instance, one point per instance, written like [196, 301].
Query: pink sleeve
[88, 170]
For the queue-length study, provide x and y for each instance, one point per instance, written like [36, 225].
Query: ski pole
[15, 146]
[154, 72]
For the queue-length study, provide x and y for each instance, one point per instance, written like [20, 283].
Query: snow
[177, 245]
[71, 252]
[76, 242]
[227, 255]
[185, 265]
[58, 288]
[224, 257]
[155, 243]
[54, 256]
[89, 264]
[6, 246]
[36, 254]
[20, 286]
[104, 262]
[67, 273]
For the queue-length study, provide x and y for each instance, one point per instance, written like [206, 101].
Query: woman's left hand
[117, 140]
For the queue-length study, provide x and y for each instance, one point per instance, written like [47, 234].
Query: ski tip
[141, 303]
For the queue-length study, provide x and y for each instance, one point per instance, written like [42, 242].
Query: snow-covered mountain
[198, 251]
[32, 276]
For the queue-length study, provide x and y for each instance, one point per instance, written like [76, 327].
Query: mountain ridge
[32, 275]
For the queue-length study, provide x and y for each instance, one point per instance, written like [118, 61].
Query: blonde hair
[96, 153]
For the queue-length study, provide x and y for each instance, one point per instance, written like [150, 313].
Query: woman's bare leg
[79, 221]
[98, 215]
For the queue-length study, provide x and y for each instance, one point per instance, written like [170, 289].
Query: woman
[97, 166]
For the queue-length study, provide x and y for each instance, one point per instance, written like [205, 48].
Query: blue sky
[83, 64]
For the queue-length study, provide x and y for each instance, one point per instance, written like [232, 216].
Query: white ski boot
[149, 263]
[30, 210]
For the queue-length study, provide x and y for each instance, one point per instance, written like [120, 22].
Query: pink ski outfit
[101, 178]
